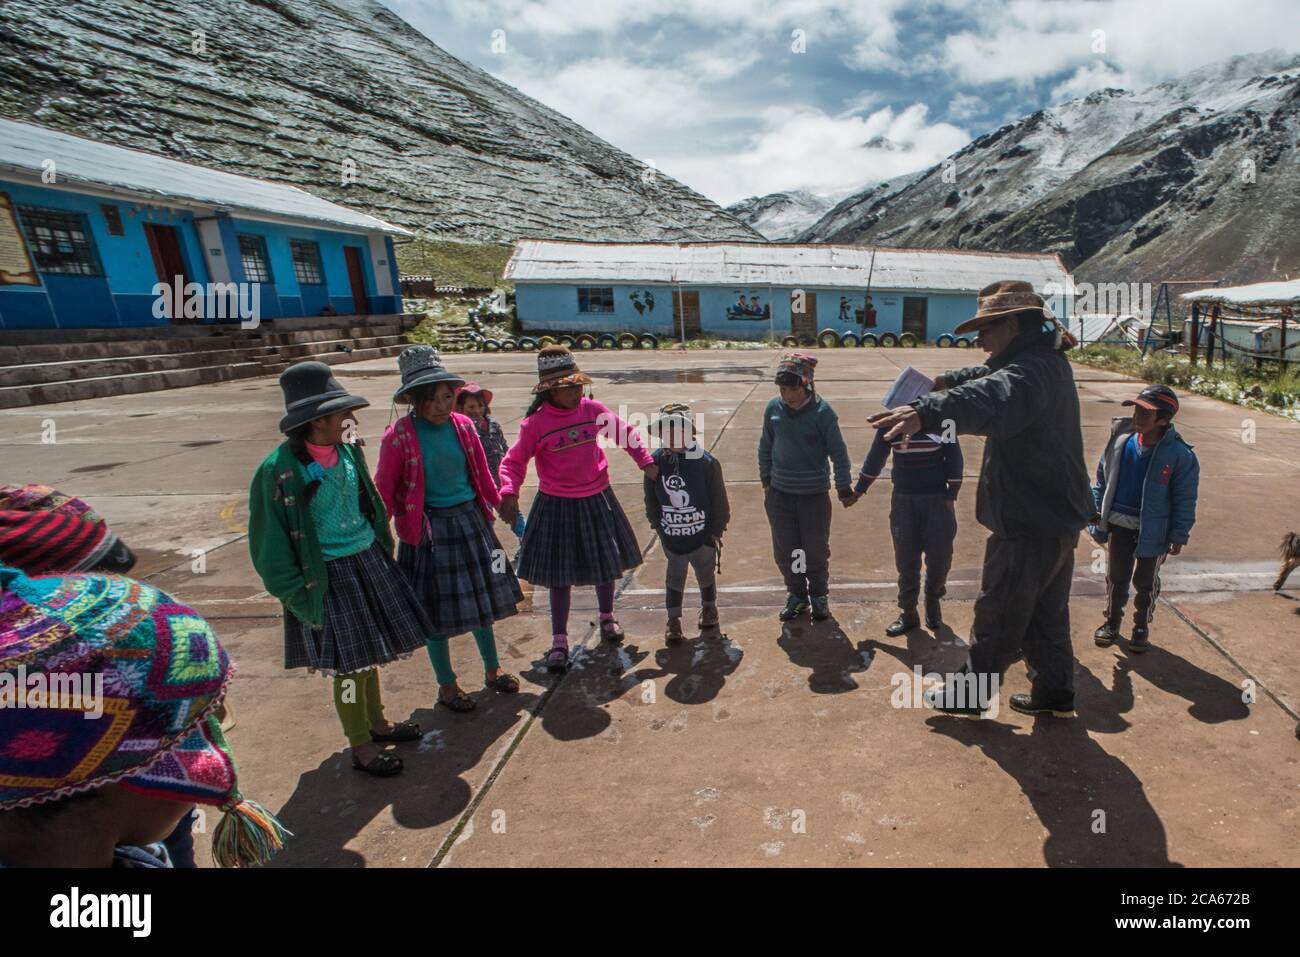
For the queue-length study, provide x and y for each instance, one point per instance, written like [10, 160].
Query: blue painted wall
[123, 296]
[554, 307]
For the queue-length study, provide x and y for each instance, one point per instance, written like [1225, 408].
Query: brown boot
[673, 631]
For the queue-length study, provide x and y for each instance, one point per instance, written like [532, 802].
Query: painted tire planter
[963, 343]
[528, 344]
[607, 340]
[945, 341]
[888, 340]
[509, 345]
[586, 341]
[850, 340]
[491, 345]
[648, 340]
[627, 340]
[869, 341]
[828, 339]
[567, 340]
[790, 341]
[545, 341]
[907, 340]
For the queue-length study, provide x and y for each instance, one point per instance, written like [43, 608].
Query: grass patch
[1270, 389]
[474, 265]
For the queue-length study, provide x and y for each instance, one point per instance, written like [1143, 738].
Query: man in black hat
[1033, 496]
[1145, 497]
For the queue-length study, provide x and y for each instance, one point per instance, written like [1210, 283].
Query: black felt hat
[311, 391]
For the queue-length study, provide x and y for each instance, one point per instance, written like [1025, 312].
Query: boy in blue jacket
[801, 435]
[1145, 496]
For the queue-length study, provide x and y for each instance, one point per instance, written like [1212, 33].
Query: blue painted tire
[529, 344]
[850, 340]
[491, 345]
[566, 340]
[945, 341]
[607, 340]
[869, 341]
[963, 343]
[648, 340]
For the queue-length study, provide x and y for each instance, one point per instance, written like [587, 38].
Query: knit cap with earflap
[798, 364]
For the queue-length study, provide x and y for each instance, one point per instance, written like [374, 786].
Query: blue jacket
[1168, 497]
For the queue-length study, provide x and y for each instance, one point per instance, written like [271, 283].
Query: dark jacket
[1168, 495]
[687, 505]
[794, 447]
[1033, 482]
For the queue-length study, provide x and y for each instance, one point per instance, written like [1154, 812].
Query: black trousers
[922, 525]
[1121, 569]
[1024, 605]
[801, 540]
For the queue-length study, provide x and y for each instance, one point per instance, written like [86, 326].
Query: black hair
[460, 401]
[791, 379]
[540, 398]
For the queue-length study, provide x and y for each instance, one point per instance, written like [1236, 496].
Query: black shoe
[821, 607]
[903, 624]
[933, 616]
[794, 607]
[1140, 640]
[1025, 704]
[938, 699]
[1107, 634]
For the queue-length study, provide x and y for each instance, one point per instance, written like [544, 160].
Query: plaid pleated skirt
[461, 575]
[577, 541]
[371, 618]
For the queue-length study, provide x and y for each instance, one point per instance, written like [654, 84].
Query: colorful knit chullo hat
[107, 680]
[798, 364]
[557, 367]
[42, 530]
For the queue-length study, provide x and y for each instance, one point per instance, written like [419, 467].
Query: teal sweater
[795, 446]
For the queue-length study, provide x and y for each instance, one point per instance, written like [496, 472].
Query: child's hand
[651, 472]
[848, 498]
[509, 509]
[1175, 549]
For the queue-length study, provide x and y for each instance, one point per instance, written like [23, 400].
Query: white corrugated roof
[1256, 294]
[25, 148]
[777, 264]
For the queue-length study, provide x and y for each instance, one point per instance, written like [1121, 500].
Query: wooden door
[803, 324]
[165, 247]
[357, 280]
[686, 312]
[914, 316]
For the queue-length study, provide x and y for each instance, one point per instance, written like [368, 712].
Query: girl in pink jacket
[577, 533]
[435, 482]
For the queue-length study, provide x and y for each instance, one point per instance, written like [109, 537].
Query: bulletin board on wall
[16, 267]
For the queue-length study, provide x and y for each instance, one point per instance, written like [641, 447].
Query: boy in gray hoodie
[800, 433]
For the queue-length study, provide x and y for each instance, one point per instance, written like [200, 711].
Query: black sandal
[402, 731]
[382, 765]
[504, 683]
[460, 703]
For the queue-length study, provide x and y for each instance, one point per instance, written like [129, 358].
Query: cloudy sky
[745, 97]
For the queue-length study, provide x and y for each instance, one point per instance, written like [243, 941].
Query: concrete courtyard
[771, 745]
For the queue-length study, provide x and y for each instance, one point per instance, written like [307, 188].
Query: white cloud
[963, 107]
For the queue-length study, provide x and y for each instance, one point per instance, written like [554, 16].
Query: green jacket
[282, 535]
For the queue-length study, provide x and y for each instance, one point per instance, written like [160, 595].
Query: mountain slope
[1125, 186]
[780, 216]
[290, 90]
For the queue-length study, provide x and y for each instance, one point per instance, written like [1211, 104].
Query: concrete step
[16, 397]
[51, 372]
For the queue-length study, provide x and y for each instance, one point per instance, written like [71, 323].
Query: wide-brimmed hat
[421, 365]
[107, 680]
[556, 367]
[473, 388]
[1002, 298]
[311, 391]
[678, 413]
[1157, 398]
[798, 364]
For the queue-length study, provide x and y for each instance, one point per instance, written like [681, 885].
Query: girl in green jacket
[318, 534]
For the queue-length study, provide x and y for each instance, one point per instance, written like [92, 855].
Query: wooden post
[1196, 322]
[1281, 346]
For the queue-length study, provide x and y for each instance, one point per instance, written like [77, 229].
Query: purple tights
[560, 605]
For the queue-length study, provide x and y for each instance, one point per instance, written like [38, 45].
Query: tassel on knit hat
[153, 728]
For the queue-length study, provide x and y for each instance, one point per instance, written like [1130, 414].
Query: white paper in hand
[909, 386]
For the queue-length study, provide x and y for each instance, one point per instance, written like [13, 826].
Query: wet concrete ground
[773, 745]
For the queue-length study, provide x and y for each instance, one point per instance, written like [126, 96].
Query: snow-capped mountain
[780, 216]
[320, 92]
[1194, 178]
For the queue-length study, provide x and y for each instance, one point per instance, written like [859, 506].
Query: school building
[740, 290]
[89, 230]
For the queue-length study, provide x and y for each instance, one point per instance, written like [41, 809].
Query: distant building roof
[25, 149]
[778, 264]
[1256, 294]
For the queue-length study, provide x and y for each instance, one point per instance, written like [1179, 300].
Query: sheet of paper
[909, 385]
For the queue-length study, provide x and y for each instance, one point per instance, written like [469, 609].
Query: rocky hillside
[292, 90]
[1126, 186]
[780, 216]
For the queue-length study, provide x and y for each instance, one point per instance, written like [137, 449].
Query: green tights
[359, 704]
[440, 654]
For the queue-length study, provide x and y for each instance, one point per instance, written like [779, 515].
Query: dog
[1290, 558]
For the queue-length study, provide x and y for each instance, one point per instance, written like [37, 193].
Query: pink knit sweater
[570, 463]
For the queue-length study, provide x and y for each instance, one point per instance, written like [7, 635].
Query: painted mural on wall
[643, 300]
[750, 305]
[860, 310]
